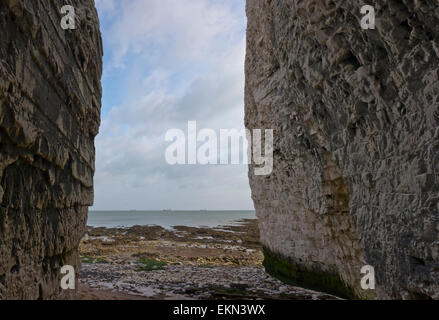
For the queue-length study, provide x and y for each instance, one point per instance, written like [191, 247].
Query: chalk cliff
[356, 145]
[49, 115]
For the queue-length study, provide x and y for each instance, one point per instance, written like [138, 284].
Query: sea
[167, 218]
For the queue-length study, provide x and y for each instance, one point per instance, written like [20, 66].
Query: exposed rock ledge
[49, 115]
[356, 145]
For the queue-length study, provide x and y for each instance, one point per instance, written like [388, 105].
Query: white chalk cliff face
[50, 100]
[356, 143]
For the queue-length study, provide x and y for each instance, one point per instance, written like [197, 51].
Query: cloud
[189, 30]
[105, 5]
[168, 62]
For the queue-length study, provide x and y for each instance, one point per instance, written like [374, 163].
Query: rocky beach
[151, 262]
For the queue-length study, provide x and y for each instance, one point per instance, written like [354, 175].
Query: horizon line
[175, 210]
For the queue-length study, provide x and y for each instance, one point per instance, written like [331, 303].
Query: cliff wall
[49, 115]
[356, 146]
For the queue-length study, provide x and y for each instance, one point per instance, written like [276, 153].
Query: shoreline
[151, 262]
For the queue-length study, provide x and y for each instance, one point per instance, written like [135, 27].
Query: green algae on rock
[293, 274]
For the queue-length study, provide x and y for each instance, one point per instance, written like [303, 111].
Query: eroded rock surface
[49, 115]
[356, 147]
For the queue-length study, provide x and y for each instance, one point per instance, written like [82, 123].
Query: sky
[167, 62]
